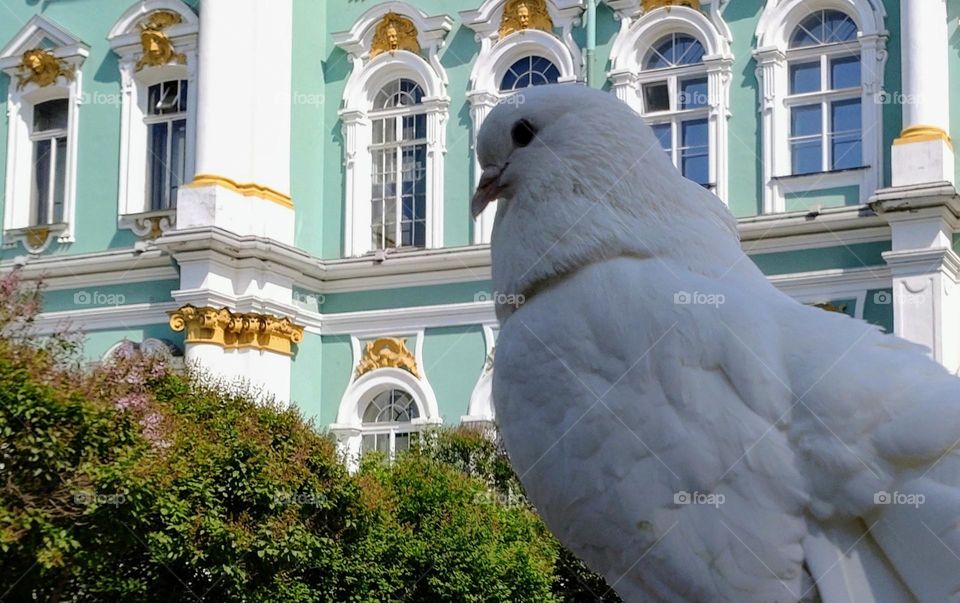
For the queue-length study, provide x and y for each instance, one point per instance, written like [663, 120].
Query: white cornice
[109, 317]
[101, 268]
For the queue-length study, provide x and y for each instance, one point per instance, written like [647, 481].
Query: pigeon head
[579, 177]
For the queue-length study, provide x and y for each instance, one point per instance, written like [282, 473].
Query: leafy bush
[127, 481]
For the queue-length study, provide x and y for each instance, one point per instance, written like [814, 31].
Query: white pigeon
[689, 431]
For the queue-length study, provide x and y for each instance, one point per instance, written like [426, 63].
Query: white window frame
[825, 96]
[349, 426]
[498, 54]
[391, 429]
[775, 28]
[51, 137]
[18, 207]
[133, 206]
[639, 32]
[396, 146]
[368, 76]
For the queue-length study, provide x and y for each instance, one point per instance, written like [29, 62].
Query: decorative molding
[923, 134]
[229, 330]
[519, 15]
[387, 352]
[394, 33]
[157, 47]
[104, 318]
[649, 5]
[248, 189]
[41, 67]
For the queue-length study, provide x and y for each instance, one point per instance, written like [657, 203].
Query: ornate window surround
[366, 385]
[640, 30]
[778, 21]
[371, 71]
[135, 82]
[71, 53]
[498, 53]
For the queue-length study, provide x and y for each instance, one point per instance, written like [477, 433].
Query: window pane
[824, 27]
[59, 179]
[693, 93]
[178, 159]
[805, 120]
[51, 115]
[694, 154]
[156, 165]
[674, 50]
[529, 71]
[656, 97]
[401, 442]
[41, 181]
[663, 134]
[807, 156]
[846, 145]
[845, 72]
[805, 77]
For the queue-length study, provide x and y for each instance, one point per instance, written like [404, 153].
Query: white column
[924, 152]
[481, 103]
[243, 117]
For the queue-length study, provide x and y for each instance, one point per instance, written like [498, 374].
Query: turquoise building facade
[279, 190]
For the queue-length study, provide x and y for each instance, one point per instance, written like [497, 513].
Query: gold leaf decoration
[649, 5]
[525, 14]
[394, 33]
[387, 352]
[157, 47]
[231, 330]
[39, 66]
[829, 307]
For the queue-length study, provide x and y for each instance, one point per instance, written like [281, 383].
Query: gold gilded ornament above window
[525, 14]
[649, 5]
[387, 352]
[40, 67]
[394, 33]
[157, 47]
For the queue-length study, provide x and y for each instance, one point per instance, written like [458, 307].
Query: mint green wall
[406, 296]
[953, 15]
[96, 343]
[847, 256]
[452, 360]
[878, 310]
[108, 295]
[825, 197]
[320, 374]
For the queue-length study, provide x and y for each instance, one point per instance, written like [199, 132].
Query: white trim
[480, 408]
[639, 32]
[498, 54]
[125, 41]
[369, 323]
[824, 285]
[776, 24]
[105, 318]
[20, 103]
[366, 79]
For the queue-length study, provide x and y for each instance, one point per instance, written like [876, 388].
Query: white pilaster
[924, 152]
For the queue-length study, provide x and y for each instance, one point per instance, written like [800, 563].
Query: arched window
[824, 94]
[676, 103]
[529, 71]
[821, 68]
[388, 423]
[399, 167]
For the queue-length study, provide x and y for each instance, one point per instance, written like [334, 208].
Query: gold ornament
[387, 352]
[649, 5]
[157, 47]
[829, 307]
[41, 67]
[231, 330]
[394, 33]
[525, 14]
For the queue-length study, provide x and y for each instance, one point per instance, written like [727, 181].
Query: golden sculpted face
[393, 33]
[155, 44]
[520, 15]
[523, 16]
[393, 38]
[41, 67]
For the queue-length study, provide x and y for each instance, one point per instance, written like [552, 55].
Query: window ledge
[150, 224]
[36, 238]
[824, 174]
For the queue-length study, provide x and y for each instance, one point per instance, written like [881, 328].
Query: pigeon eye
[522, 133]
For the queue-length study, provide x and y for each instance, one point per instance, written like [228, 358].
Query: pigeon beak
[487, 191]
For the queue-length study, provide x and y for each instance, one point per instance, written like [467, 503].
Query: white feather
[613, 399]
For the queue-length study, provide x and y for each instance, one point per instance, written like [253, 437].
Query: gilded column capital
[231, 330]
